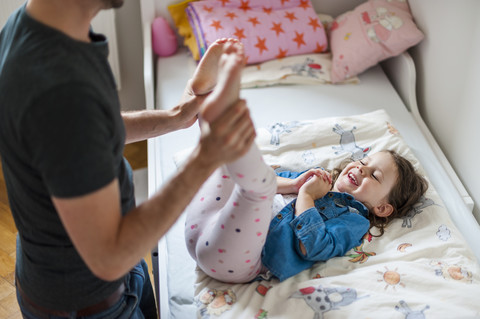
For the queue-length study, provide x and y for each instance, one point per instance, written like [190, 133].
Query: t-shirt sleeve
[68, 133]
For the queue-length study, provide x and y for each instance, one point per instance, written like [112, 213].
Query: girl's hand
[292, 186]
[314, 188]
[317, 185]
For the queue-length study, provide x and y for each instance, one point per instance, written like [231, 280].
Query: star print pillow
[267, 29]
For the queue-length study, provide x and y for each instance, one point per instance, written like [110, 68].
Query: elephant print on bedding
[278, 129]
[348, 144]
[417, 209]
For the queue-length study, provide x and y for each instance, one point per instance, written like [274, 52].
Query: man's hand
[187, 111]
[228, 137]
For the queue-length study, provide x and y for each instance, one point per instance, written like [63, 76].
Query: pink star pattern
[277, 27]
[245, 5]
[231, 15]
[216, 24]
[253, 21]
[268, 29]
[261, 45]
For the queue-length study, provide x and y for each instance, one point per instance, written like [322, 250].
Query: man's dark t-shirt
[62, 135]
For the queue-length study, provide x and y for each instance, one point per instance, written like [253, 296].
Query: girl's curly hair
[406, 192]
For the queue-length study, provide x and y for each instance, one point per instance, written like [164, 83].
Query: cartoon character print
[392, 129]
[443, 233]
[308, 157]
[215, 302]
[452, 272]
[262, 289]
[417, 209]
[261, 314]
[278, 129]
[381, 24]
[409, 313]
[308, 68]
[359, 255]
[391, 278]
[322, 300]
[348, 145]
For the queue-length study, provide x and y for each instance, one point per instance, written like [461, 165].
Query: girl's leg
[228, 220]
[205, 77]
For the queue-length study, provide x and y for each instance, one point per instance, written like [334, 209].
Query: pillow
[177, 11]
[374, 31]
[267, 29]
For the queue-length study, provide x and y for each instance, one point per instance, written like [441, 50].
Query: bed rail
[402, 74]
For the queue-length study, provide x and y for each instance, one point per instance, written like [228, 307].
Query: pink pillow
[374, 31]
[268, 29]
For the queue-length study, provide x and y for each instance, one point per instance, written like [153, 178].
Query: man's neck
[72, 17]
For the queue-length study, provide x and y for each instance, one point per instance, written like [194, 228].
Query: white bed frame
[402, 75]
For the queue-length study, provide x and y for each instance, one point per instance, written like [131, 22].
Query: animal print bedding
[421, 267]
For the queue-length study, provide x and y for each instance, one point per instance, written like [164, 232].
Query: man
[81, 238]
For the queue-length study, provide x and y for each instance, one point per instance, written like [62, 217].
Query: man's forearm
[141, 125]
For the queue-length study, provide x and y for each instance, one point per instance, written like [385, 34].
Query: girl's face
[370, 180]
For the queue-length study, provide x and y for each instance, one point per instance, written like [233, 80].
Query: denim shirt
[336, 224]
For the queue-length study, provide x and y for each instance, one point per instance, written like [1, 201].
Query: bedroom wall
[130, 47]
[448, 84]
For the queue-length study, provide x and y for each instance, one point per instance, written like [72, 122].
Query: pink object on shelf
[164, 41]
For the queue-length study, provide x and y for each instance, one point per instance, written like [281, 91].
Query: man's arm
[141, 125]
[111, 244]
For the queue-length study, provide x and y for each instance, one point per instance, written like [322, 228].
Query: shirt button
[322, 208]
[299, 227]
[279, 216]
[330, 195]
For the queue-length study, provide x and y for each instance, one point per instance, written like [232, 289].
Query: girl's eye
[375, 177]
[362, 162]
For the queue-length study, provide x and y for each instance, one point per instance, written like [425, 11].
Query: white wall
[130, 46]
[448, 88]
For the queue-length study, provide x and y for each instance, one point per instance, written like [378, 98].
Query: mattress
[280, 104]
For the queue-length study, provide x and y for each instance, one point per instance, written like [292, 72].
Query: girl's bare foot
[205, 77]
[227, 88]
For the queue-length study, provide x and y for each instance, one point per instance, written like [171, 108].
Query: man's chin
[117, 3]
[113, 4]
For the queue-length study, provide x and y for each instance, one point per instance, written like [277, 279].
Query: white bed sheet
[280, 104]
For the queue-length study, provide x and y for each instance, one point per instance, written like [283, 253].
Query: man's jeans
[137, 302]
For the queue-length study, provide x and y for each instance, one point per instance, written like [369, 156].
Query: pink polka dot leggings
[228, 220]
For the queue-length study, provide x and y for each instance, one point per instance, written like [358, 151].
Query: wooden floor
[137, 156]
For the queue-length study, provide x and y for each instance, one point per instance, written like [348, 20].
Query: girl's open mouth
[353, 179]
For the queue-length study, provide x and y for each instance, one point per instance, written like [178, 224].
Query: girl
[230, 231]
